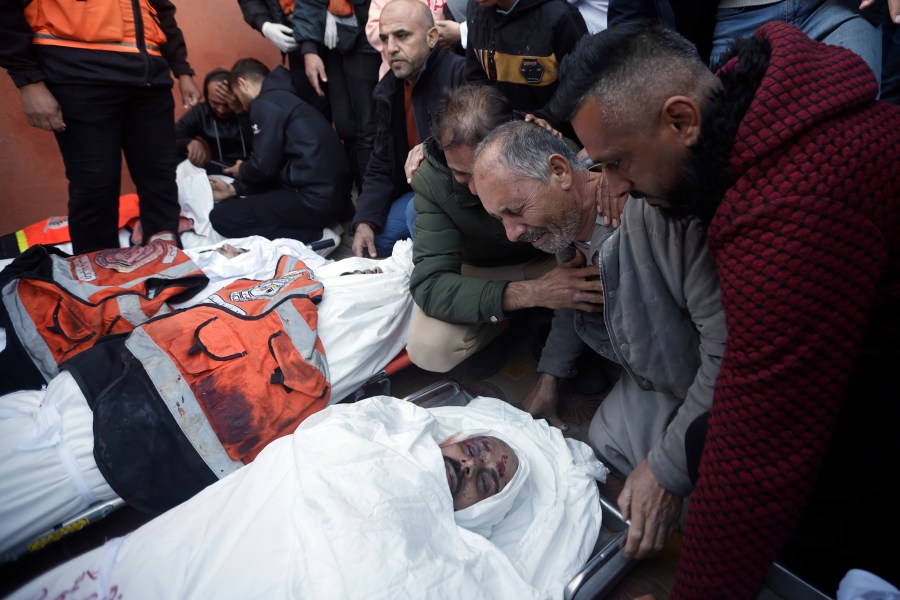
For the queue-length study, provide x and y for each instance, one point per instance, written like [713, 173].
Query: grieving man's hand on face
[478, 468]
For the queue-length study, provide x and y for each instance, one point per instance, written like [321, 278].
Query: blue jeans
[395, 227]
[829, 21]
[411, 219]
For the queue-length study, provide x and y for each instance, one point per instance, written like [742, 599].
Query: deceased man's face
[478, 468]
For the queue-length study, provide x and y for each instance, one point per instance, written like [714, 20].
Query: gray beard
[555, 240]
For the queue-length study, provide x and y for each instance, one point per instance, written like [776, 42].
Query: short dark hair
[629, 69]
[217, 74]
[466, 115]
[249, 69]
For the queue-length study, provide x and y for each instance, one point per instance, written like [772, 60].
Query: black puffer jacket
[294, 145]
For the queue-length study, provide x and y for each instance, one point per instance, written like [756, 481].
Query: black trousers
[351, 80]
[303, 87]
[278, 213]
[102, 122]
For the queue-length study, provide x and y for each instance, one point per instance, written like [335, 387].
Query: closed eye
[472, 450]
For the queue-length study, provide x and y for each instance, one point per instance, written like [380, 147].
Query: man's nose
[618, 185]
[514, 232]
[469, 465]
[392, 45]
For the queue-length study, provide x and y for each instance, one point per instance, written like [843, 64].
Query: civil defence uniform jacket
[191, 396]
[54, 307]
[114, 42]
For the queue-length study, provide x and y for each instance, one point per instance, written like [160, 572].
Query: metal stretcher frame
[91, 514]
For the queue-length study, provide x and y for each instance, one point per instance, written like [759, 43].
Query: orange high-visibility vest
[241, 369]
[114, 25]
[55, 230]
[62, 306]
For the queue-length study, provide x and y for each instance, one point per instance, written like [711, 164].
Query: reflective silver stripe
[62, 276]
[291, 293]
[27, 331]
[302, 336]
[290, 264]
[50, 36]
[181, 402]
[131, 310]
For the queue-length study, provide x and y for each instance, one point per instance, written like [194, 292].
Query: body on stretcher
[608, 564]
[102, 509]
[605, 569]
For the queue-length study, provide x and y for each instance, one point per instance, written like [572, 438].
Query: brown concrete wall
[32, 177]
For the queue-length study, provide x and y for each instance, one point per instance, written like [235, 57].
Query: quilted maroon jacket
[806, 242]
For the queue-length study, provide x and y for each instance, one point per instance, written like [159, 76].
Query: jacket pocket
[292, 371]
[82, 20]
[208, 346]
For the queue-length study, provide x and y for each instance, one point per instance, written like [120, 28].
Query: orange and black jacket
[117, 42]
[191, 396]
[519, 53]
[258, 12]
[54, 307]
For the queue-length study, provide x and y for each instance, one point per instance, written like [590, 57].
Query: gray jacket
[663, 321]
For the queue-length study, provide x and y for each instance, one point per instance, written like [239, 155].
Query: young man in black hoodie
[215, 134]
[297, 180]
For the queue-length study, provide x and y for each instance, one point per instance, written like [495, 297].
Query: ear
[560, 171]
[432, 36]
[681, 117]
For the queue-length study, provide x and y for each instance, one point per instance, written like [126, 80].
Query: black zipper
[139, 38]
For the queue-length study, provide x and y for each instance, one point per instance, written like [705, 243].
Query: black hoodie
[296, 147]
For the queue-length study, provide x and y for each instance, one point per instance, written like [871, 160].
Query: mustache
[457, 472]
[532, 234]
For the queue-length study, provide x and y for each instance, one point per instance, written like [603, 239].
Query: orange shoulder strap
[340, 8]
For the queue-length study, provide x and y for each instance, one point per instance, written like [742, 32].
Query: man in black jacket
[348, 74]
[517, 46]
[404, 98]
[216, 133]
[297, 180]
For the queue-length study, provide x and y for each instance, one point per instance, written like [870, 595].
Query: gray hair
[523, 148]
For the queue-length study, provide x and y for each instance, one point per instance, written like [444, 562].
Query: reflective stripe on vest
[92, 295]
[27, 329]
[55, 230]
[178, 397]
[110, 25]
[242, 369]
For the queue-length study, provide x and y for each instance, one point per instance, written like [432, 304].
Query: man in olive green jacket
[467, 276]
